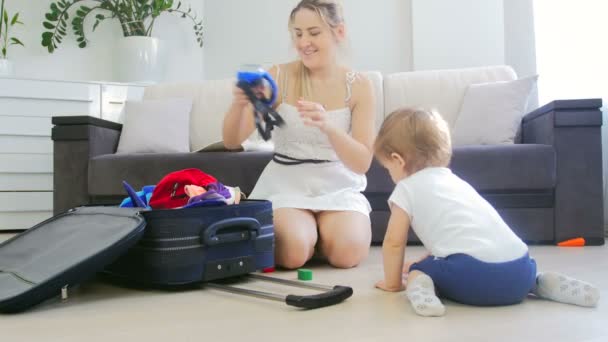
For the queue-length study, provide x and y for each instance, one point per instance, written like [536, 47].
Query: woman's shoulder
[361, 84]
[289, 67]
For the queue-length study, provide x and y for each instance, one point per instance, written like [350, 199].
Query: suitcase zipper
[19, 277]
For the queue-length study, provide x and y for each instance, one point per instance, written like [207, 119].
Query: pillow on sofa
[491, 112]
[156, 126]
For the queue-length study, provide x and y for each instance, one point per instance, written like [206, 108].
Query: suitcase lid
[64, 251]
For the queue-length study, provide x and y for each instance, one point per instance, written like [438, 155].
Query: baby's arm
[393, 249]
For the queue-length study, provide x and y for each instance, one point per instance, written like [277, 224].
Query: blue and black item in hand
[256, 82]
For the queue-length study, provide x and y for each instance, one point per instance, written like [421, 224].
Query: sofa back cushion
[211, 99]
[439, 89]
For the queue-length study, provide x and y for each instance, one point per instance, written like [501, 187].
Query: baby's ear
[396, 157]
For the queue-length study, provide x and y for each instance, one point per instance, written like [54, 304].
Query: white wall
[455, 34]
[379, 31]
[520, 44]
[94, 63]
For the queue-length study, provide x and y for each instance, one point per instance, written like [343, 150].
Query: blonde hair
[421, 137]
[332, 14]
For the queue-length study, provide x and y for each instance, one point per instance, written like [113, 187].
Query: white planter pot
[140, 59]
[6, 68]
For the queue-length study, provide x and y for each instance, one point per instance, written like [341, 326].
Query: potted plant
[6, 23]
[139, 55]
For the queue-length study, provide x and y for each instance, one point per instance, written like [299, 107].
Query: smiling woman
[323, 152]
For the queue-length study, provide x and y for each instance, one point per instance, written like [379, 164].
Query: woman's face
[314, 40]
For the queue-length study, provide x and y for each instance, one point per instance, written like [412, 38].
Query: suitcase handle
[331, 297]
[212, 236]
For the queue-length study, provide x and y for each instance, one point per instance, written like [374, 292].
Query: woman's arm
[239, 122]
[354, 151]
[393, 249]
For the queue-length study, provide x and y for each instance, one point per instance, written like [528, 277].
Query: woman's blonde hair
[332, 14]
[421, 137]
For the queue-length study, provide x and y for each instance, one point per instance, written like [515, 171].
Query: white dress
[317, 187]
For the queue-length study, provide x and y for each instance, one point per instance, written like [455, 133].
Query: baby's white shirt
[450, 217]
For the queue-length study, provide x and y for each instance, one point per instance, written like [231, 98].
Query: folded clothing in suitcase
[191, 245]
[63, 251]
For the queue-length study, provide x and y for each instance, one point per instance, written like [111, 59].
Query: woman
[323, 152]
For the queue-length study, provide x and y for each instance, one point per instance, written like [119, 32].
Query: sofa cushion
[106, 172]
[156, 126]
[439, 89]
[211, 99]
[491, 113]
[488, 168]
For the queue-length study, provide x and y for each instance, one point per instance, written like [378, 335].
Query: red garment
[169, 192]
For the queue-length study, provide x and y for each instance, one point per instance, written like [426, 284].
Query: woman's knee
[296, 236]
[345, 253]
[294, 250]
[345, 238]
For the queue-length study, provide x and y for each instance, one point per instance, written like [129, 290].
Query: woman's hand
[314, 114]
[382, 286]
[239, 100]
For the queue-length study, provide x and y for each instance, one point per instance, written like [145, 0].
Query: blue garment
[145, 194]
[464, 279]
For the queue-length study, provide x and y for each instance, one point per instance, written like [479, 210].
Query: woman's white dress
[317, 187]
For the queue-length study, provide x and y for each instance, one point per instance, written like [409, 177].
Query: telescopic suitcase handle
[332, 295]
[213, 236]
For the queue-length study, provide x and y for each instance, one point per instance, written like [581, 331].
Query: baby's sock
[561, 288]
[421, 293]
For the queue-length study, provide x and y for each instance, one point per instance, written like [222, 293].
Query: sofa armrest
[573, 128]
[76, 139]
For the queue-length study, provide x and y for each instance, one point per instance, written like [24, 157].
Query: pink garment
[194, 190]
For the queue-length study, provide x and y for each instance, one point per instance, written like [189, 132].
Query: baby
[475, 258]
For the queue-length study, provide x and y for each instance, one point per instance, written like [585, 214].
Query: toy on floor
[577, 242]
[256, 83]
[304, 274]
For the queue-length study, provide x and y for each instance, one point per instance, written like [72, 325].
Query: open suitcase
[158, 248]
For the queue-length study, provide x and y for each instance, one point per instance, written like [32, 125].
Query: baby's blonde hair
[421, 137]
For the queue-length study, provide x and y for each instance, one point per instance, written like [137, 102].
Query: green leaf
[82, 45]
[16, 41]
[47, 36]
[51, 17]
[15, 19]
[48, 25]
[54, 7]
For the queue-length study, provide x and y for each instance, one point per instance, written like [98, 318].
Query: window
[572, 56]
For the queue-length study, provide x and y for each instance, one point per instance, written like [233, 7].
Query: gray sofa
[547, 186]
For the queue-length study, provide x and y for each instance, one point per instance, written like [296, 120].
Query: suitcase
[63, 251]
[192, 245]
[157, 248]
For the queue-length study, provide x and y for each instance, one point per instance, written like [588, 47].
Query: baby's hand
[382, 286]
[407, 265]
